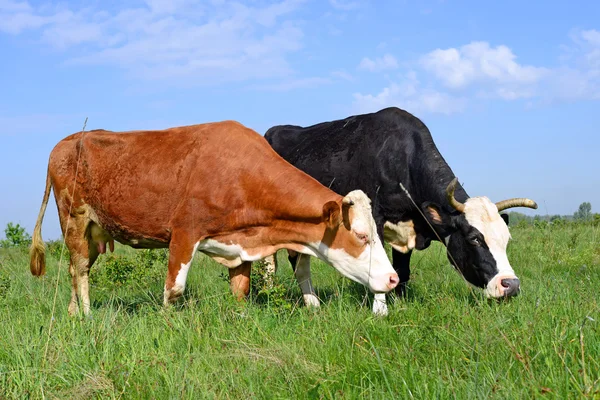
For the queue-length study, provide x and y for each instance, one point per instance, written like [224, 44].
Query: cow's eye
[476, 241]
[363, 237]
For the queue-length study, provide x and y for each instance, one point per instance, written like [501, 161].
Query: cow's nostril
[394, 280]
[511, 286]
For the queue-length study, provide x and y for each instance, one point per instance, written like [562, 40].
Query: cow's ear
[435, 214]
[332, 214]
[505, 218]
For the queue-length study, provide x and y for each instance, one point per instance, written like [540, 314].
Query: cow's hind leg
[83, 255]
[181, 254]
[73, 304]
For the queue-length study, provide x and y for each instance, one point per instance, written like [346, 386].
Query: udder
[100, 238]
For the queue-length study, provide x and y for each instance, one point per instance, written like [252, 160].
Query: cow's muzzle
[510, 286]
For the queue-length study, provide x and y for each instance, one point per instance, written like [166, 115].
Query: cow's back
[366, 152]
[371, 152]
[147, 182]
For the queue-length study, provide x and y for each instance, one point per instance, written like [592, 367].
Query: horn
[450, 196]
[519, 202]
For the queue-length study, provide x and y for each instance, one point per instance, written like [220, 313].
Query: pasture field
[444, 341]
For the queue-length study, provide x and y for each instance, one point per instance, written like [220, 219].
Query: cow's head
[477, 236]
[351, 243]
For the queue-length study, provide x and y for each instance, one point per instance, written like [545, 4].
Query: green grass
[444, 341]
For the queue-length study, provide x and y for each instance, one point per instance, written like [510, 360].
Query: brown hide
[178, 187]
[219, 180]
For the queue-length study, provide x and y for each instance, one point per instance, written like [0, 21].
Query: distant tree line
[583, 214]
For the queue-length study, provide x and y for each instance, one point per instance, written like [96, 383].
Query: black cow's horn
[450, 196]
[519, 202]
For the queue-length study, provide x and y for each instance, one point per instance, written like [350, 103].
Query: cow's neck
[429, 182]
[288, 213]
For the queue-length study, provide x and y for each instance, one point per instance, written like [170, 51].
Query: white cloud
[341, 74]
[495, 72]
[181, 40]
[477, 62]
[480, 71]
[410, 95]
[16, 18]
[579, 76]
[513, 94]
[14, 6]
[386, 62]
[269, 15]
[592, 37]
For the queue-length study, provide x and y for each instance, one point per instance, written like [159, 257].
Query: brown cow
[218, 188]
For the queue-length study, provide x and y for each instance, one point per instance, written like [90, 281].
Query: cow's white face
[483, 215]
[356, 251]
[477, 236]
[477, 248]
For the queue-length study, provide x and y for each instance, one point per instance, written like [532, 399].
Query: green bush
[268, 291]
[540, 224]
[146, 267]
[16, 236]
[264, 291]
[55, 248]
[119, 269]
[150, 257]
[4, 285]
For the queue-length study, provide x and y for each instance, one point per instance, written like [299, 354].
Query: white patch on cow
[401, 236]
[303, 277]
[230, 255]
[372, 268]
[183, 272]
[369, 269]
[482, 214]
[380, 305]
[179, 286]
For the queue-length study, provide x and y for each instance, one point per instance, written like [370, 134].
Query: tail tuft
[37, 250]
[37, 254]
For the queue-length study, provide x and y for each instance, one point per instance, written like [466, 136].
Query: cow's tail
[37, 251]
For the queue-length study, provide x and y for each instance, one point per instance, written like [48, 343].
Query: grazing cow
[391, 156]
[218, 188]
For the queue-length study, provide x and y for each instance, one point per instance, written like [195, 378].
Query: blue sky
[510, 90]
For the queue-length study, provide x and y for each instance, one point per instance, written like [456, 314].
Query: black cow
[416, 198]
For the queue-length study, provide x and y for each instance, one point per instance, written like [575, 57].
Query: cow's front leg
[401, 263]
[181, 254]
[380, 305]
[239, 280]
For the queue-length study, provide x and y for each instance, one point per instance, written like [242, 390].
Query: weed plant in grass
[443, 341]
